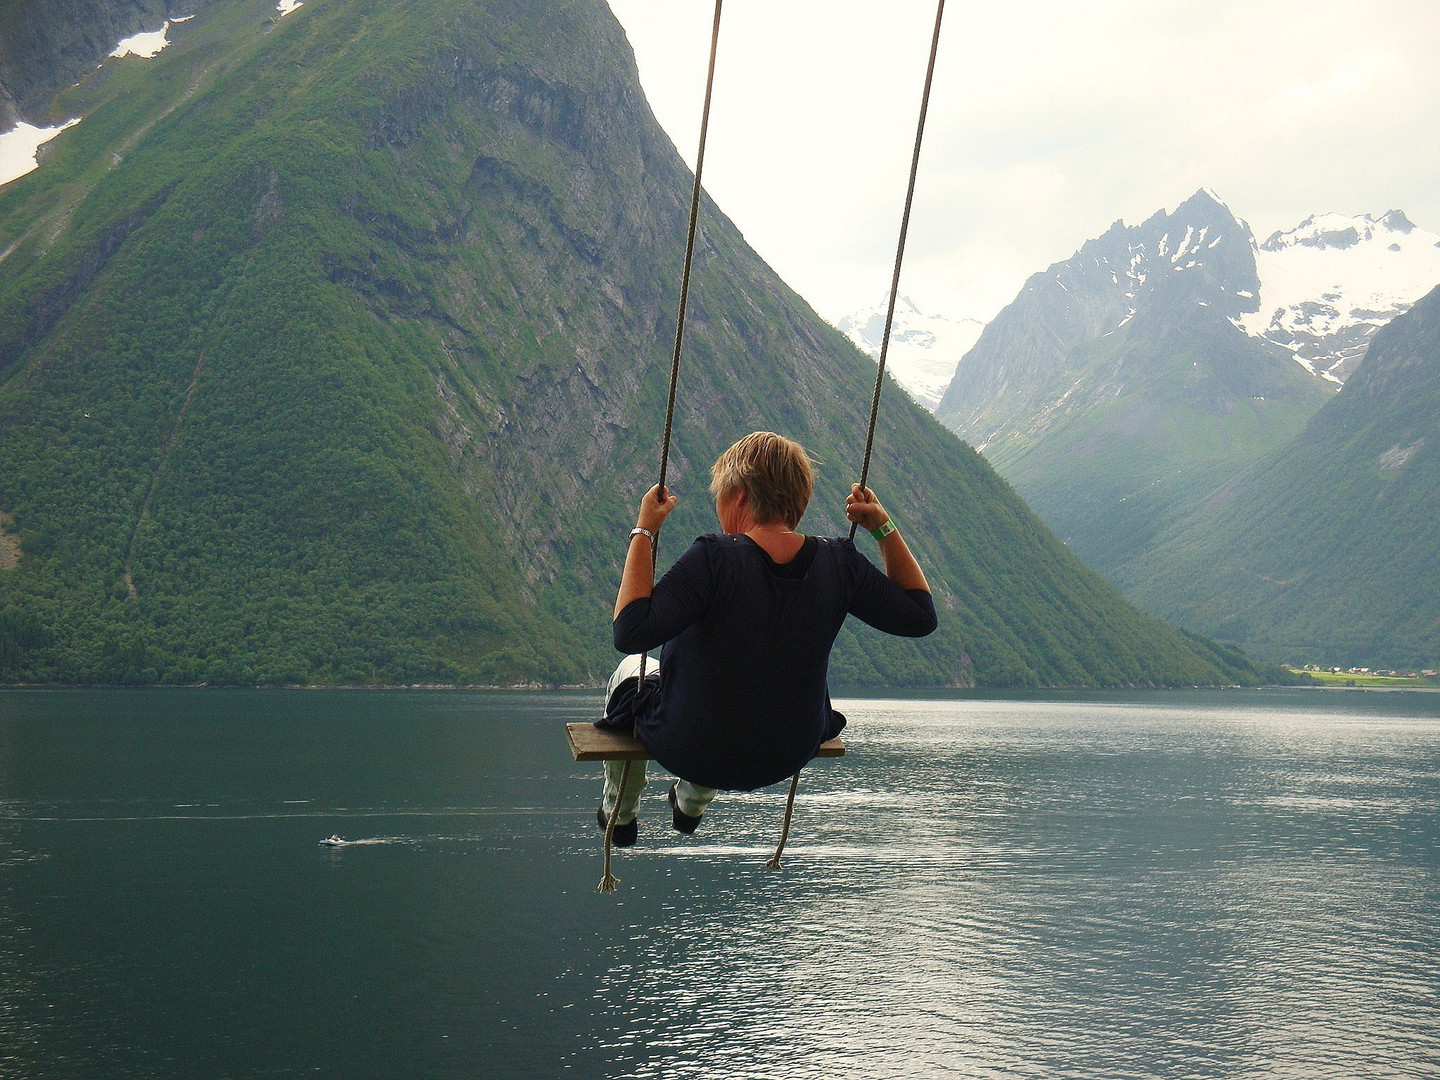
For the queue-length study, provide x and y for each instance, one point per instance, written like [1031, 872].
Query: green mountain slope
[1187, 405]
[1115, 392]
[1329, 551]
[334, 349]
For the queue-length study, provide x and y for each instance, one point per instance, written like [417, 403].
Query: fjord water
[1196, 884]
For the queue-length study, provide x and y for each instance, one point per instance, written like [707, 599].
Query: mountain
[334, 349]
[1118, 386]
[47, 45]
[1144, 399]
[1329, 550]
[1327, 285]
[924, 349]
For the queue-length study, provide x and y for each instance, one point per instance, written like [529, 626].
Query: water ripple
[1182, 886]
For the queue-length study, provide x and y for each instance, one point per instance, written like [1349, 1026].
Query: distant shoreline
[1350, 680]
[1380, 683]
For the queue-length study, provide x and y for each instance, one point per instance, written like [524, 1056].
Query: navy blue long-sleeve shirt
[742, 700]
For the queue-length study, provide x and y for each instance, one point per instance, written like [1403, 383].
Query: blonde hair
[774, 472]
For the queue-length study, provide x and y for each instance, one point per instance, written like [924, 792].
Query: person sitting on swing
[747, 619]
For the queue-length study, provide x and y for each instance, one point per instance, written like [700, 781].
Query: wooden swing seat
[590, 743]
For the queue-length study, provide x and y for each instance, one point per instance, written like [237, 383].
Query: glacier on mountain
[1329, 283]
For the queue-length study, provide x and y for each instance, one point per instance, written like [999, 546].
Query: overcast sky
[1049, 120]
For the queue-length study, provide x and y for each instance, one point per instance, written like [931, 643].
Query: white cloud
[1351, 80]
[1049, 120]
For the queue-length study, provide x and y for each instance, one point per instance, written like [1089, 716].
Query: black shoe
[624, 835]
[682, 821]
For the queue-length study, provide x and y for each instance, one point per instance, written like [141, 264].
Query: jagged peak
[1199, 210]
[1159, 217]
[1396, 221]
[1117, 228]
[1203, 199]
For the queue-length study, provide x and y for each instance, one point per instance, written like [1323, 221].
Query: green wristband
[884, 530]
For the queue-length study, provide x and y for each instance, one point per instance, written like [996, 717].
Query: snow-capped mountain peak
[924, 349]
[1338, 231]
[1329, 283]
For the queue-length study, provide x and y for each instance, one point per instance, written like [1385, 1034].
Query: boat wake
[369, 841]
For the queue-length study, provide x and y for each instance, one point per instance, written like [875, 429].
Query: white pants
[692, 799]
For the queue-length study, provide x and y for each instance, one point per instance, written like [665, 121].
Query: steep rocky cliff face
[1043, 357]
[47, 45]
[1116, 388]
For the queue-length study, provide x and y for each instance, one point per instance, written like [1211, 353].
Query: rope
[609, 880]
[774, 861]
[900, 253]
[689, 256]
[685, 289]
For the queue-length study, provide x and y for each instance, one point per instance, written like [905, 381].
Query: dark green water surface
[1206, 884]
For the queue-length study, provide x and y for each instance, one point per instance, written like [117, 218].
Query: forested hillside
[333, 349]
[1329, 551]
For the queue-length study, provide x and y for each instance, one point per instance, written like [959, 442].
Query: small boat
[331, 841]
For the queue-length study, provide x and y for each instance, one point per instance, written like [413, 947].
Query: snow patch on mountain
[924, 349]
[19, 147]
[146, 44]
[1328, 284]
